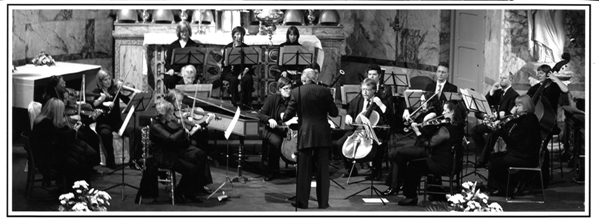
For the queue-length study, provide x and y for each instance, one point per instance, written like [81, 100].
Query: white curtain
[547, 35]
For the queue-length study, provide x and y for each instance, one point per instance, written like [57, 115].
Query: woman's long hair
[53, 110]
[459, 113]
[526, 102]
[165, 110]
[183, 25]
[103, 74]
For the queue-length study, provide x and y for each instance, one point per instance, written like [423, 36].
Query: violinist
[183, 41]
[522, 138]
[502, 98]
[435, 155]
[269, 115]
[108, 98]
[56, 147]
[238, 75]
[438, 88]
[55, 88]
[172, 148]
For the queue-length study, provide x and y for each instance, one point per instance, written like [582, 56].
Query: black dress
[110, 121]
[230, 73]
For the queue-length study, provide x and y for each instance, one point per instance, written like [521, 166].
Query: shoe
[192, 198]
[324, 207]
[180, 199]
[295, 205]
[436, 197]
[408, 202]
[480, 165]
[390, 191]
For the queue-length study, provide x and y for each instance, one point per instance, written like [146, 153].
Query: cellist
[359, 105]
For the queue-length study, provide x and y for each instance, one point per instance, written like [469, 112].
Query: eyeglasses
[286, 88]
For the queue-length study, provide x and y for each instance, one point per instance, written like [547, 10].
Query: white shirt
[439, 88]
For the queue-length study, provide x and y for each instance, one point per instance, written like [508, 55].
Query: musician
[172, 148]
[438, 88]
[270, 115]
[385, 94]
[553, 90]
[189, 74]
[523, 140]
[292, 36]
[183, 103]
[183, 41]
[435, 155]
[53, 83]
[237, 75]
[359, 106]
[312, 103]
[110, 121]
[56, 147]
[501, 98]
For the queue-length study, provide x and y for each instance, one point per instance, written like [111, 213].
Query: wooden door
[467, 51]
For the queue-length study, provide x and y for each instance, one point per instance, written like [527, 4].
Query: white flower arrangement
[43, 59]
[84, 199]
[472, 200]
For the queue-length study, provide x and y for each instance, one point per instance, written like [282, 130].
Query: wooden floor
[563, 196]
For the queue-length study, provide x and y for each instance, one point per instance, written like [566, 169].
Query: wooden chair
[41, 176]
[420, 82]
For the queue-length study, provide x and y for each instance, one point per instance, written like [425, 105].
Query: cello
[359, 145]
[547, 117]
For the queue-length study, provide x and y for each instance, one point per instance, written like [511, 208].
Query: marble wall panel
[131, 64]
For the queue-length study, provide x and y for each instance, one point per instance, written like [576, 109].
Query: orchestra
[301, 111]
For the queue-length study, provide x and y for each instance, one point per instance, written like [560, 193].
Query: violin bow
[195, 95]
[118, 91]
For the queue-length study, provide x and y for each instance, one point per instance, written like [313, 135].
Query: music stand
[296, 55]
[475, 103]
[188, 56]
[243, 55]
[396, 77]
[139, 102]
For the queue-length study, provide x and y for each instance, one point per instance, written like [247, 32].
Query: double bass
[547, 117]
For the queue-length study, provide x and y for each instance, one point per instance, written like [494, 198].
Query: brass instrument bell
[293, 17]
[329, 17]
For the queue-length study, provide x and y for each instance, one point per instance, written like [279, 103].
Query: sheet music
[232, 124]
[126, 122]
[475, 102]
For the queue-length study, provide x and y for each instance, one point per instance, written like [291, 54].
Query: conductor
[312, 103]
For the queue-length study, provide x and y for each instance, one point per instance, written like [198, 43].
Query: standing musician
[313, 104]
[502, 98]
[172, 148]
[359, 106]
[291, 71]
[435, 154]
[439, 87]
[239, 74]
[522, 136]
[183, 41]
[270, 114]
[110, 121]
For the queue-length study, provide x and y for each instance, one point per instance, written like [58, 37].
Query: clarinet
[145, 140]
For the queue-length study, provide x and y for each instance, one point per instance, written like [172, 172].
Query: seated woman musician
[236, 75]
[270, 115]
[360, 106]
[55, 88]
[292, 38]
[436, 141]
[172, 75]
[522, 135]
[195, 120]
[107, 98]
[171, 148]
[56, 147]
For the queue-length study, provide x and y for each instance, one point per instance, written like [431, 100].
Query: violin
[418, 113]
[438, 121]
[496, 125]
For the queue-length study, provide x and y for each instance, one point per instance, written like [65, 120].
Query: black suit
[171, 81]
[355, 107]
[273, 106]
[501, 102]
[312, 103]
[438, 101]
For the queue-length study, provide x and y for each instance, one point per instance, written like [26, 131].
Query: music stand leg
[227, 179]
[122, 184]
[373, 190]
